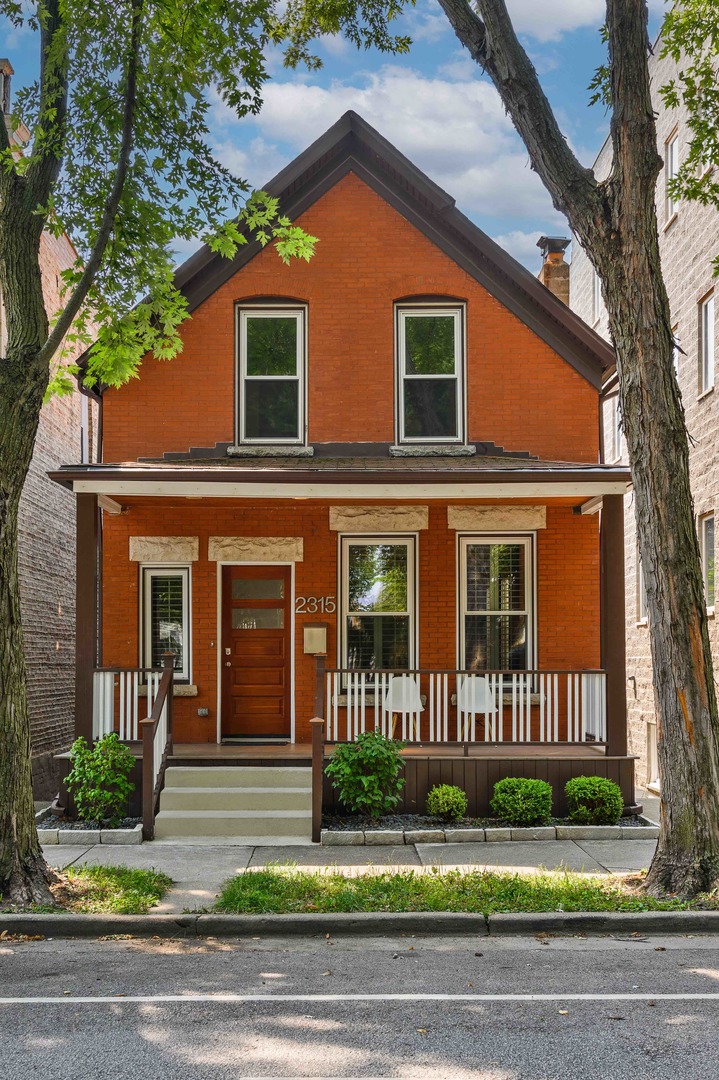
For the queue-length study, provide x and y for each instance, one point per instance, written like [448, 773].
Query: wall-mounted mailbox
[315, 639]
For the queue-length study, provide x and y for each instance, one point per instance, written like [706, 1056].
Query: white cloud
[549, 20]
[456, 131]
[257, 162]
[523, 245]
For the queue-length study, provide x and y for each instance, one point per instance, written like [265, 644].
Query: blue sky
[433, 104]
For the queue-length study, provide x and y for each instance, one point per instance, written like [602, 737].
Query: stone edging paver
[449, 835]
[89, 837]
[376, 923]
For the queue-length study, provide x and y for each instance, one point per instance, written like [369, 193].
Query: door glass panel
[258, 618]
[258, 589]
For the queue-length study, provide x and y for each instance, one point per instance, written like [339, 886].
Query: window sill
[710, 612]
[178, 690]
[705, 393]
[432, 450]
[670, 221]
[263, 450]
[642, 622]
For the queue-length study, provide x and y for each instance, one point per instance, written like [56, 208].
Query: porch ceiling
[349, 478]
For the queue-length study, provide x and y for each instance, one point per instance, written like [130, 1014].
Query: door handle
[228, 663]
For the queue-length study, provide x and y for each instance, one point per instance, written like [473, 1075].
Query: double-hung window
[496, 603]
[378, 602]
[430, 398]
[166, 617]
[706, 344]
[706, 545]
[614, 435]
[671, 168]
[271, 383]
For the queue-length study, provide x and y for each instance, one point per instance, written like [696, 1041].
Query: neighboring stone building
[689, 244]
[68, 429]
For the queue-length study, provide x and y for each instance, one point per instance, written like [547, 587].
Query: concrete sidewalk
[199, 871]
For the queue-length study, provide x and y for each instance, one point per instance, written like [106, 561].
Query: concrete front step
[268, 823]
[258, 799]
[239, 776]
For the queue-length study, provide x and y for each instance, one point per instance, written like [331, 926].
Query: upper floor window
[271, 375]
[706, 344]
[430, 403]
[671, 168]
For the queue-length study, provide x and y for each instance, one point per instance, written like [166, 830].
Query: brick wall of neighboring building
[47, 558]
[567, 589]
[689, 244]
[521, 394]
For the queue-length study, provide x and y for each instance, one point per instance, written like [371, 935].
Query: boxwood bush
[522, 801]
[366, 774]
[593, 800]
[447, 801]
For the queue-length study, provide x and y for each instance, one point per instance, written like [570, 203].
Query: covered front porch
[473, 609]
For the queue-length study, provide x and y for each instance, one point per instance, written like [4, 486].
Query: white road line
[240, 999]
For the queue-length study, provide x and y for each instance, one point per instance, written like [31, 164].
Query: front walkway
[198, 871]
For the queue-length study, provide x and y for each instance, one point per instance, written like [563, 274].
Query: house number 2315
[310, 605]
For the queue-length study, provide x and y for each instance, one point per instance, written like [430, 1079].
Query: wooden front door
[256, 662]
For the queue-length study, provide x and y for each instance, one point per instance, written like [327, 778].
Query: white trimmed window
[271, 376]
[652, 758]
[706, 545]
[671, 168]
[596, 297]
[641, 592]
[166, 617]
[430, 375]
[614, 434]
[706, 343]
[496, 603]
[378, 602]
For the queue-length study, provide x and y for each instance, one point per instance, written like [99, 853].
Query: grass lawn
[284, 890]
[94, 890]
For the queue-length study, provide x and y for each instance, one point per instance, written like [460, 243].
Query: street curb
[604, 922]
[363, 923]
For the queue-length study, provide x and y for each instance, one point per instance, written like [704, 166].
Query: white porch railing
[436, 706]
[117, 703]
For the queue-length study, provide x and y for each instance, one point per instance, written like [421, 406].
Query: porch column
[85, 610]
[613, 622]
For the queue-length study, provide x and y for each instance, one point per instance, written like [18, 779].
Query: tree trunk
[23, 380]
[615, 222]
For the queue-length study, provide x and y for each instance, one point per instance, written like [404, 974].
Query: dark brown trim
[86, 555]
[592, 474]
[613, 643]
[351, 145]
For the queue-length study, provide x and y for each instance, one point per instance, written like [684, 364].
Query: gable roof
[352, 145]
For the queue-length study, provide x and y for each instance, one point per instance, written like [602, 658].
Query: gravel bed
[408, 822]
[66, 825]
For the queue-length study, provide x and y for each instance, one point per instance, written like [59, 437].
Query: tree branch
[491, 41]
[94, 260]
[47, 154]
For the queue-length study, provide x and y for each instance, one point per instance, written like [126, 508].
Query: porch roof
[348, 477]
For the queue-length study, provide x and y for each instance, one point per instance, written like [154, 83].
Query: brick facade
[521, 395]
[47, 556]
[689, 244]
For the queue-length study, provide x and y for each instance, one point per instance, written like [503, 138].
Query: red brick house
[388, 456]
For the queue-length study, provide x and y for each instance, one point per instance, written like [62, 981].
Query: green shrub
[447, 801]
[366, 774]
[522, 801]
[593, 800]
[99, 779]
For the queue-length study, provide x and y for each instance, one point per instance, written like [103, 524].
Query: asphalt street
[489, 1009]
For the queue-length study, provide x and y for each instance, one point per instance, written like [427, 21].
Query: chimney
[6, 71]
[555, 271]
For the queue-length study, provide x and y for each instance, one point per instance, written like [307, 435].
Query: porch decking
[301, 753]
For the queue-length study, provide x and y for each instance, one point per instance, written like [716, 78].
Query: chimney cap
[553, 245]
[5, 66]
